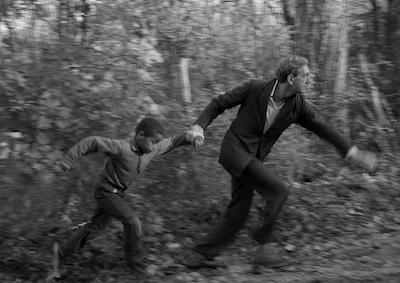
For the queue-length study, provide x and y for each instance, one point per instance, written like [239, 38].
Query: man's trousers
[255, 177]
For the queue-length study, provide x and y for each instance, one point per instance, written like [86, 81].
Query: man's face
[302, 82]
[146, 144]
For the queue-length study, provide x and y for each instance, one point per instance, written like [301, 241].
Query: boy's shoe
[56, 263]
[269, 255]
[196, 260]
[57, 260]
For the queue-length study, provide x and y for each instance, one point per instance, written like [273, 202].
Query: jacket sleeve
[167, 144]
[90, 145]
[313, 122]
[222, 102]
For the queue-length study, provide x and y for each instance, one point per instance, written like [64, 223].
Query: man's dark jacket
[245, 139]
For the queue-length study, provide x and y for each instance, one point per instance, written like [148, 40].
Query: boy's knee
[134, 222]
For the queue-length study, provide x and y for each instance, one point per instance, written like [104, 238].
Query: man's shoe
[196, 260]
[269, 255]
[137, 267]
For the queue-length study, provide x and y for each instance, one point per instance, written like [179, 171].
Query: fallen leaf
[290, 247]
[173, 246]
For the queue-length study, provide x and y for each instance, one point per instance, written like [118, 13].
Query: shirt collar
[271, 98]
[132, 142]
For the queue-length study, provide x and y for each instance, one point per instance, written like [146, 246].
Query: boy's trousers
[109, 205]
[255, 177]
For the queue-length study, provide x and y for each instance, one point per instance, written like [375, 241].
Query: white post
[184, 71]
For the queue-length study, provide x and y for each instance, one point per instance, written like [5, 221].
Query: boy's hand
[365, 158]
[195, 135]
[198, 141]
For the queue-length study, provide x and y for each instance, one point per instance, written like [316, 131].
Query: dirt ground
[336, 229]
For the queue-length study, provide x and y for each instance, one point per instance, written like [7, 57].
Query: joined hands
[195, 135]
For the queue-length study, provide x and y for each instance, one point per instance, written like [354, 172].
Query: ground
[334, 229]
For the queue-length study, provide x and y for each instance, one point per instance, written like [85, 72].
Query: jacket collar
[263, 101]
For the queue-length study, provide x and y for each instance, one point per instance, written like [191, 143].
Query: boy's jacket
[125, 162]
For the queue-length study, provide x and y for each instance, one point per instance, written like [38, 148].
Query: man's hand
[195, 135]
[365, 158]
[62, 166]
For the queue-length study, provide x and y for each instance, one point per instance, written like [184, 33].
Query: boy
[126, 160]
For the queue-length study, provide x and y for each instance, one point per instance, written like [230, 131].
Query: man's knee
[283, 191]
[238, 215]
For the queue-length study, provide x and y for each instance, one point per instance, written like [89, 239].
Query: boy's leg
[88, 231]
[116, 207]
[234, 218]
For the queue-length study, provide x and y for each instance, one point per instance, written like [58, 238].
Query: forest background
[75, 68]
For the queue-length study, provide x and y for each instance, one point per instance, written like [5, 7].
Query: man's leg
[274, 191]
[234, 218]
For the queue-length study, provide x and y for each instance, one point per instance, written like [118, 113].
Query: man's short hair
[150, 127]
[289, 65]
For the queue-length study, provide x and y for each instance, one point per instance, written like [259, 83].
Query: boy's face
[146, 144]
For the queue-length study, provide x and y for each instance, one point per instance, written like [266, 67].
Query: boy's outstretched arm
[167, 144]
[89, 145]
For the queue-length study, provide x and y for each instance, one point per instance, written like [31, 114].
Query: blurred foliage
[69, 69]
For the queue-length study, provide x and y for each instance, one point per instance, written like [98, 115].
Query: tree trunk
[85, 9]
[34, 35]
[343, 48]
[392, 24]
[380, 114]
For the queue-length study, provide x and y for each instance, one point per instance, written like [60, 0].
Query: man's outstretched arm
[167, 144]
[309, 120]
[365, 158]
[217, 106]
[222, 102]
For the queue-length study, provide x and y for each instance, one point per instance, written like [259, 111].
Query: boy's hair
[150, 127]
[289, 65]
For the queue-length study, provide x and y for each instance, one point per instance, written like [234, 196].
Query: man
[267, 108]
